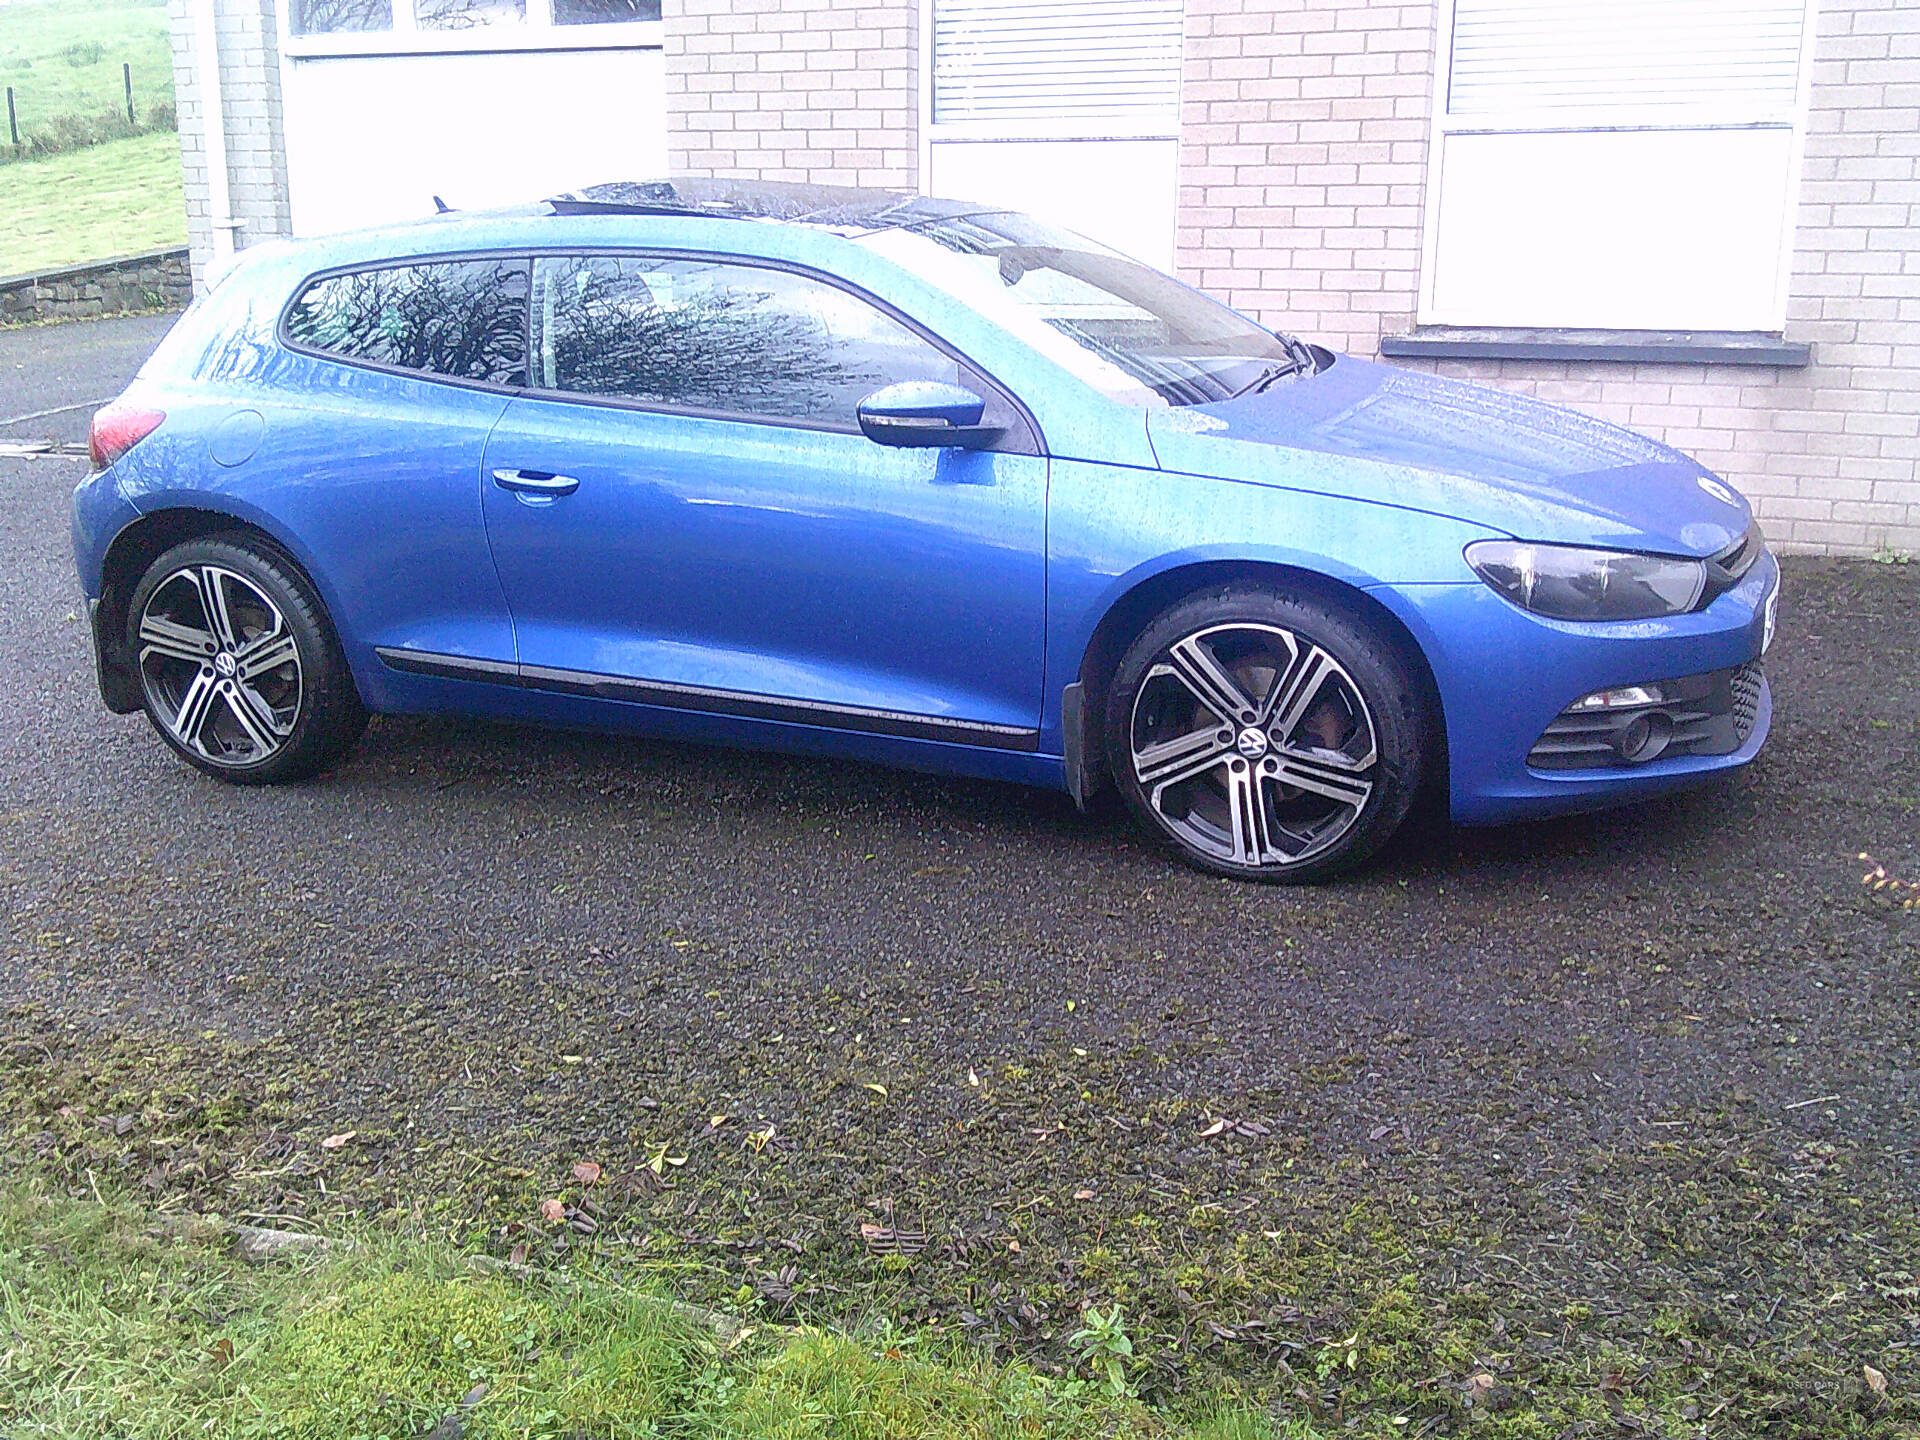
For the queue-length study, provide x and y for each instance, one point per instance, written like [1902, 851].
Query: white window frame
[1705, 115]
[536, 32]
[1030, 146]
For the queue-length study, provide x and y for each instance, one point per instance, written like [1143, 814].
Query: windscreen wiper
[1300, 361]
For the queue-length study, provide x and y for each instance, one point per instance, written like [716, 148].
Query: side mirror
[926, 413]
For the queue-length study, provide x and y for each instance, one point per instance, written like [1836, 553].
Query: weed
[1103, 1344]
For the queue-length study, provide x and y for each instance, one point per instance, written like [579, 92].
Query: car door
[688, 514]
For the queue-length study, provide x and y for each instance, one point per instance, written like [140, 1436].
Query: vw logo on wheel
[1252, 743]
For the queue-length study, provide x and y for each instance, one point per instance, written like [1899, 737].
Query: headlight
[1566, 583]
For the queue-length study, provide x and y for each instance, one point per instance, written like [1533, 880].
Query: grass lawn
[63, 57]
[115, 1326]
[113, 199]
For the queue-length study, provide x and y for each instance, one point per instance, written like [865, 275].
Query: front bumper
[1505, 676]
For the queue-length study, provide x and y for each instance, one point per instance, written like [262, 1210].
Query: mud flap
[1082, 778]
[112, 668]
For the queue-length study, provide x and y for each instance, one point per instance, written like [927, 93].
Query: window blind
[1000, 60]
[1624, 54]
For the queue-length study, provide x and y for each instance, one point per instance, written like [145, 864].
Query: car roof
[845, 208]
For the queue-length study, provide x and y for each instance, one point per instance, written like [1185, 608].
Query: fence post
[13, 120]
[126, 76]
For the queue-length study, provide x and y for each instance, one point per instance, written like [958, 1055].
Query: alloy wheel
[220, 665]
[1253, 745]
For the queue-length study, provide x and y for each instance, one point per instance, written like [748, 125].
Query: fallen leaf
[1876, 1382]
[1013, 1247]
[336, 1142]
[1377, 1131]
[586, 1172]
[972, 1078]
[714, 1122]
[879, 1090]
[222, 1352]
[658, 1159]
[518, 1255]
[553, 1211]
[1083, 1194]
[885, 1240]
[1214, 1129]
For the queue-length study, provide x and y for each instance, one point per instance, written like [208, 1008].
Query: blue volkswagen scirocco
[911, 481]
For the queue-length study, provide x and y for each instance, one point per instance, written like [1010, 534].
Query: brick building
[1697, 217]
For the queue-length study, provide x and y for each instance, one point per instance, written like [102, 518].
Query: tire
[1265, 736]
[240, 671]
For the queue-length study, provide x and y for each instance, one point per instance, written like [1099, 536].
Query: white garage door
[480, 102]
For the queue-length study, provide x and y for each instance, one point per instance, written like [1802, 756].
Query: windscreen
[1135, 334]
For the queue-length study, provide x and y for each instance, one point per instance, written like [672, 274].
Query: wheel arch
[138, 544]
[1136, 608]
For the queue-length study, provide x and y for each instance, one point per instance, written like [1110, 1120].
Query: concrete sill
[1686, 347]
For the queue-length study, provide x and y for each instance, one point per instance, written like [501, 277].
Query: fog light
[1645, 738]
[1626, 697]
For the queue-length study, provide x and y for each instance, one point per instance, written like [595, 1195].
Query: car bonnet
[1486, 456]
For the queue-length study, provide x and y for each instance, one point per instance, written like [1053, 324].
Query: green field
[118, 198]
[63, 58]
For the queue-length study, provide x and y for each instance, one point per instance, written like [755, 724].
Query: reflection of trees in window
[465, 319]
[321, 17]
[468, 14]
[603, 12]
[727, 338]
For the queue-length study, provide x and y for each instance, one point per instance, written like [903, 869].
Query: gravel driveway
[1572, 1126]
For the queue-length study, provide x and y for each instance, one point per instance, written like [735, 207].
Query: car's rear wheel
[240, 671]
[1265, 736]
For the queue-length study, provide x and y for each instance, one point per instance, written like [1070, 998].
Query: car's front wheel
[239, 670]
[1265, 736]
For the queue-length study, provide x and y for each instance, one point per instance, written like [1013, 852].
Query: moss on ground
[1715, 1285]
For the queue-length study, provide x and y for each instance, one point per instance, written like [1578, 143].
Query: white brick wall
[1303, 173]
[255, 129]
[814, 90]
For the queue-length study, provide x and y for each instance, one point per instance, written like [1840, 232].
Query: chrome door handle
[535, 482]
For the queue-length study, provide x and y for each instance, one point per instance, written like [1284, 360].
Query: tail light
[117, 429]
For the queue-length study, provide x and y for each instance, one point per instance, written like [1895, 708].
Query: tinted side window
[735, 338]
[462, 318]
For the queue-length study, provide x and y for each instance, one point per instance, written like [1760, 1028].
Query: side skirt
[710, 701]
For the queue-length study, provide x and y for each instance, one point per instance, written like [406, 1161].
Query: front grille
[1711, 714]
[1747, 682]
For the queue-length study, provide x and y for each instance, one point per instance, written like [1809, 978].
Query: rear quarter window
[463, 319]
